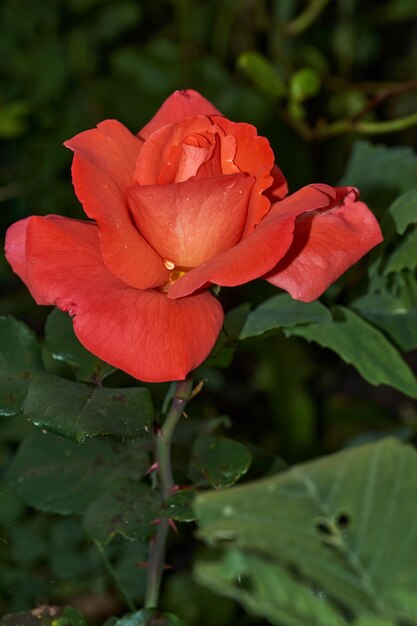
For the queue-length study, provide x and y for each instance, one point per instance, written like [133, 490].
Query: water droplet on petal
[169, 264]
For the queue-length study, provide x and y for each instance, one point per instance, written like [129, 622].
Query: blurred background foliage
[313, 77]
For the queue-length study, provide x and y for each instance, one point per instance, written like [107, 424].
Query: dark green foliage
[328, 542]
[20, 360]
[79, 411]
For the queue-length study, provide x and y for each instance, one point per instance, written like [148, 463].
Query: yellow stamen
[174, 276]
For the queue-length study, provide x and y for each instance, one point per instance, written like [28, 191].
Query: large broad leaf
[45, 616]
[218, 461]
[20, 360]
[404, 256]
[381, 173]
[78, 411]
[267, 589]
[149, 617]
[126, 508]
[389, 313]
[56, 475]
[345, 524]
[282, 312]
[64, 346]
[363, 346]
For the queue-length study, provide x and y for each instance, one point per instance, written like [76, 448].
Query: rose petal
[15, 250]
[180, 105]
[160, 157]
[103, 167]
[257, 254]
[191, 161]
[325, 245]
[254, 156]
[141, 332]
[279, 188]
[188, 223]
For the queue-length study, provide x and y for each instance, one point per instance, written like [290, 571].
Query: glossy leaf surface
[77, 411]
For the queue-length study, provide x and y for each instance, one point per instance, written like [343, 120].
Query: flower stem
[156, 561]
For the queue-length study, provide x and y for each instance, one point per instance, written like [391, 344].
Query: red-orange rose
[193, 200]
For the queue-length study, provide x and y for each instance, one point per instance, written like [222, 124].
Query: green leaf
[78, 411]
[267, 589]
[150, 617]
[20, 360]
[46, 616]
[403, 211]
[126, 508]
[196, 604]
[64, 346]
[305, 83]
[219, 461]
[345, 523]
[56, 475]
[262, 73]
[282, 312]
[404, 256]
[179, 506]
[364, 347]
[380, 172]
[373, 621]
[389, 313]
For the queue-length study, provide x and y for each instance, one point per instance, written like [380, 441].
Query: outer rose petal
[190, 222]
[180, 105]
[325, 245]
[103, 167]
[142, 332]
[257, 254]
[15, 249]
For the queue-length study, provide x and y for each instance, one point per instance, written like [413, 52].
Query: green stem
[307, 17]
[109, 567]
[156, 561]
[364, 128]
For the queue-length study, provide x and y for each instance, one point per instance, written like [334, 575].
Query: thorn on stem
[197, 388]
[153, 468]
[173, 526]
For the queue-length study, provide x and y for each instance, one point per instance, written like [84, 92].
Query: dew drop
[169, 264]
[150, 196]
[227, 510]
